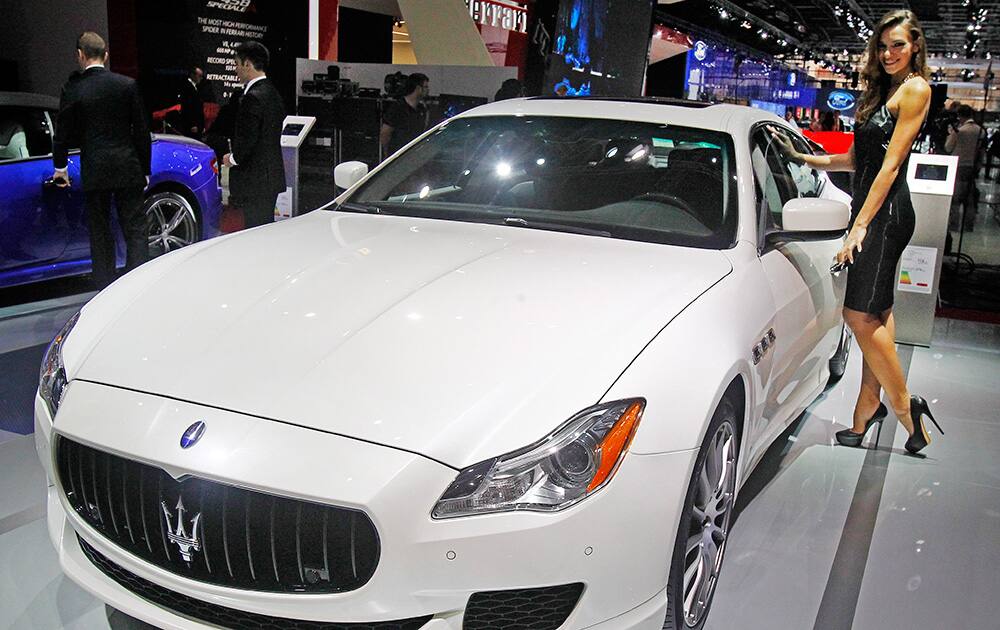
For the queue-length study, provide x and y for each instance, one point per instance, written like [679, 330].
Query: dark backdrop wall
[39, 40]
[666, 78]
[363, 36]
[167, 38]
[541, 30]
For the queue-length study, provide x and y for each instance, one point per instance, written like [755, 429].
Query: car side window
[773, 180]
[807, 180]
[24, 133]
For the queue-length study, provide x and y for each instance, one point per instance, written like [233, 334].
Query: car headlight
[575, 461]
[52, 379]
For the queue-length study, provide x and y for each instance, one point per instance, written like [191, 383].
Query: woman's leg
[878, 345]
[870, 395]
[869, 398]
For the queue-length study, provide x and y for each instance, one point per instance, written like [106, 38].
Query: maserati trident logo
[192, 434]
[177, 534]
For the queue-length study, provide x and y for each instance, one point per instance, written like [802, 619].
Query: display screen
[292, 129]
[600, 48]
[934, 172]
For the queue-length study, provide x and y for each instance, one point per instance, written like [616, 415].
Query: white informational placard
[916, 269]
[283, 206]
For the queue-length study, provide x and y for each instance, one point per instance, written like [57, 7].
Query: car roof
[656, 110]
[27, 99]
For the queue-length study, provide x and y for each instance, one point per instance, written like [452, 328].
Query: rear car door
[36, 219]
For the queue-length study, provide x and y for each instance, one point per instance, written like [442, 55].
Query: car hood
[458, 341]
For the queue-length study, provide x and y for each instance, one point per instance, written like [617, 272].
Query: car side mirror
[347, 174]
[815, 215]
[810, 219]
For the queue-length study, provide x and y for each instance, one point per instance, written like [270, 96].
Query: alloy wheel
[170, 223]
[708, 525]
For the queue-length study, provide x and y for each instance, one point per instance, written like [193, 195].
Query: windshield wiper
[555, 227]
[366, 208]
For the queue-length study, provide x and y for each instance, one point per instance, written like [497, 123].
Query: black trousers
[257, 209]
[128, 203]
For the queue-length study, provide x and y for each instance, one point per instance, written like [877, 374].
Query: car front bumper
[616, 543]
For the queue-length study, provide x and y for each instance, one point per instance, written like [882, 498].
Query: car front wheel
[705, 522]
[171, 222]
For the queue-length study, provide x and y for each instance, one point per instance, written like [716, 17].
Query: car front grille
[523, 609]
[220, 615]
[216, 533]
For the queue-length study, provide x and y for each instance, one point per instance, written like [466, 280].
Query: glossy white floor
[827, 538]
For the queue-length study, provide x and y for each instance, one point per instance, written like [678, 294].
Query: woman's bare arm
[836, 162]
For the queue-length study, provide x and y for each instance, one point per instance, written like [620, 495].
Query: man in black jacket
[102, 113]
[257, 170]
[192, 105]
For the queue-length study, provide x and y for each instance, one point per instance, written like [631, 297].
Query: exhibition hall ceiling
[954, 27]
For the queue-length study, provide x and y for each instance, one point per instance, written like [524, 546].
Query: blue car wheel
[171, 222]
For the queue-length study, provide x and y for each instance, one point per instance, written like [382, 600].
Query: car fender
[684, 372]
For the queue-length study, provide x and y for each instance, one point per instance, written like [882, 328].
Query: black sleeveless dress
[871, 280]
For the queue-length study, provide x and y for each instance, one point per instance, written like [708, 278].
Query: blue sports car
[43, 230]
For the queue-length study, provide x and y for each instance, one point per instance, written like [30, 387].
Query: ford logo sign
[700, 50]
[840, 101]
[192, 434]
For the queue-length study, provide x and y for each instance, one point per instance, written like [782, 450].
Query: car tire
[838, 362]
[171, 222]
[705, 520]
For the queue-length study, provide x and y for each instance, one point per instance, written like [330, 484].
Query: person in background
[219, 134]
[992, 153]
[511, 88]
[192, 105]
[827, 121]
[964, 140]
[939, 126]
[257, 169]
[406, 118]
[790, 116]
[102, 113]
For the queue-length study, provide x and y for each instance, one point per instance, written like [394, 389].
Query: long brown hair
[876, 80]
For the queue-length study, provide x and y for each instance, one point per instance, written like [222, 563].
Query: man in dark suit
[192, 105]
[257, 170]
[102, 113]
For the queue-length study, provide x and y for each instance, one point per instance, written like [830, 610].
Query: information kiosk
[293, 136]
[931, 179]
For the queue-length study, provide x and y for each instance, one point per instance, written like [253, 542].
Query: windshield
[621, 179]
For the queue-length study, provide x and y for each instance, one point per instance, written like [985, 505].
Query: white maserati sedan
[512, 378]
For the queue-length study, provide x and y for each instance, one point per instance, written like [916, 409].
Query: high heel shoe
[920, 437]
[848, 437]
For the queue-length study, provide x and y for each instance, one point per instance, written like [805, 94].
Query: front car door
[37, 220]
[806, 307]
